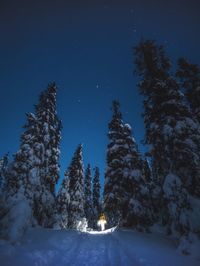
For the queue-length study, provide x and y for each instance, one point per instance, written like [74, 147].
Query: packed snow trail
[66, 247]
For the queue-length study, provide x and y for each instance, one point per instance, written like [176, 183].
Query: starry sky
[86, 47]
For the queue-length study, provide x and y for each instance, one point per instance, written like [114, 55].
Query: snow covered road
[49, 247]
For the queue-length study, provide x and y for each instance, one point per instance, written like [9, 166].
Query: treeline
[162, 188]
[165, 190]
[27, 183]
[78, 201]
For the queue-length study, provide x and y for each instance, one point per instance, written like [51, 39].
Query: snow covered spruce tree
[23, 183]
[125, 190]
[172, 135]
[96, 194]
[89, 213]
[189, 75]
[138, 207]
[26, 174]
[49, 136]
[62, 203]
[113, 189]
[76, 213]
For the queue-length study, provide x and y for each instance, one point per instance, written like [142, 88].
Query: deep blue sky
[86, 47]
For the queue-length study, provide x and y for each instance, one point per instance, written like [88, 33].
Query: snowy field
[66, 247]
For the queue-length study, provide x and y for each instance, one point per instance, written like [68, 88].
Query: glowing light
[108, 231]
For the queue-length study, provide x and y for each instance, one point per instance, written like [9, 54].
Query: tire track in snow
[100, 250]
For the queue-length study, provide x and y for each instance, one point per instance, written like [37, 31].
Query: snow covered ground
[66, 247]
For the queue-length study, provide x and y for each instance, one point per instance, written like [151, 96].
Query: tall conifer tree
[23, 176]
[76, 189]
[137, 210]
[171, 133]
[23, 183]
[113, 189]
[124, 190]
[49, 135]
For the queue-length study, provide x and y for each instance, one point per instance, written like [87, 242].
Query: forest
[141, 191]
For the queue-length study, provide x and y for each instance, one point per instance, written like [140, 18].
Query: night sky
[86, 47]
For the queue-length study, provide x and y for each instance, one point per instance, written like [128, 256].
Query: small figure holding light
[102, 222]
